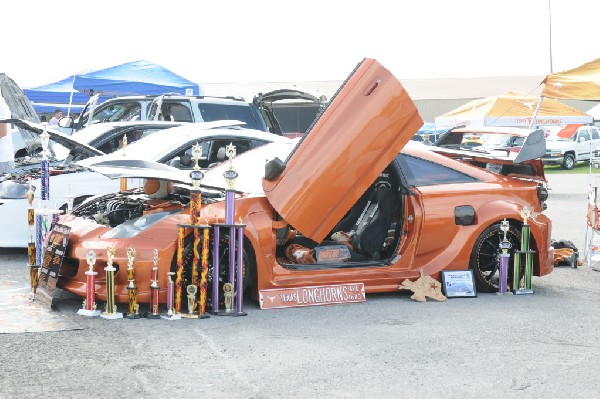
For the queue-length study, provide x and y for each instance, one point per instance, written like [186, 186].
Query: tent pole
[535, 114]
[71, 97]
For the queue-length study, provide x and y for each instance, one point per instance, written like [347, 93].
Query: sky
[230, 41]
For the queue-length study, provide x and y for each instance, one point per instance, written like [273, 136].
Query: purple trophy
[230, 289]
[505, 245]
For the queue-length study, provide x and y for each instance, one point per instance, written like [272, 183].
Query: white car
[171, 146]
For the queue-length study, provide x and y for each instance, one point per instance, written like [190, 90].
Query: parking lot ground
[545, 344]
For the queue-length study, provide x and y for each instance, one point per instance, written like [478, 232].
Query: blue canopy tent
[138, 77]
[58, 95]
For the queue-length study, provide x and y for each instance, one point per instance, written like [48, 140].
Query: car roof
[91, 132]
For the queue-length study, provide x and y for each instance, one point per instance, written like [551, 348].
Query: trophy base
[172, 317]
[152, 315]
[524, 291]
[504, 293]
[132, 316]
[111, 316]
[85, 312]
[231, 313]
[189, 315]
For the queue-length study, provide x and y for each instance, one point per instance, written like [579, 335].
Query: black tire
[485, 257]
[568, 162]
[248, 271]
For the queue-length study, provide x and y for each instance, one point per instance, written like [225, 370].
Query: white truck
[566, 150]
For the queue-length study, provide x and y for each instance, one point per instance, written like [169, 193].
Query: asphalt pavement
[541, 345]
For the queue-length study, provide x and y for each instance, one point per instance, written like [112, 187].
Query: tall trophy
[505, 245]
[154, 312]
[34, 269]
[133, 310]
[89, 303]
[230, 290]
[171, 315]
[522, 286]
[110, 311]
[44, 216]
[123, 181]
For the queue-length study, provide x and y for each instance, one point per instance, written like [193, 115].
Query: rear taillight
[542, 192]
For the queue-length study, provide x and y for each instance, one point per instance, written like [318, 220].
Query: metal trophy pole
[154, 312]
[204, 271]
[110, 311]
[171, 315]
[89, 303]
[133, 310]
[230, 289]
[505, 245]
[34, 268]
[524, 287]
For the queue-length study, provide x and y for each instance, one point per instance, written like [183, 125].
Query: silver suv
[168, 107]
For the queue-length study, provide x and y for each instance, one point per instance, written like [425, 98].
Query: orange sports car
[390, 210]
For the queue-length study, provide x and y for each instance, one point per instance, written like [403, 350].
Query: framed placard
[458, 283]
[54, 251]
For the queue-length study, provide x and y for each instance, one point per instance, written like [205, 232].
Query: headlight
[554, 153]
[13, 189]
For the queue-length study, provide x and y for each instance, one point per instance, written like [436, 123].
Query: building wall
[433, 97]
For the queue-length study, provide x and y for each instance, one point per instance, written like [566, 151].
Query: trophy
[230, 175]
[505, 245]
[523, 287]
[171, 315]
[70, 200]
[133, 311]
[180, 266]
[33, 267]
[154, 313]
[123, 181]
[110, 311]
[42, 215]
[191, 295]
[228, 294]
[89, 303]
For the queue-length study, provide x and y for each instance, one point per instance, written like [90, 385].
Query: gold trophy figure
[110, 311]
[191, 294]
[133, 308]
[228, 294]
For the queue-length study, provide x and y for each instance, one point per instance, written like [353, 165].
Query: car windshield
[250, 167]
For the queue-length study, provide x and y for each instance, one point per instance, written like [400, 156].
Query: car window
[595, 135]
[112, 142]
[216, 112]
[420, 172]
[127, 111]
[585, 134]
[213, 152]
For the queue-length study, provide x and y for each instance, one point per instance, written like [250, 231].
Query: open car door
[366, 124]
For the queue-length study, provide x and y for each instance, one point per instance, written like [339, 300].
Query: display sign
[54, 251]
[458, 283]
[332, 253]
[312, 296]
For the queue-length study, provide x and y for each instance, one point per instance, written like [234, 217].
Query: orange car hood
[365, 126]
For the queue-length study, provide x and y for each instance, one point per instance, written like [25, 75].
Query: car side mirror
[66, 121]
[274, 168]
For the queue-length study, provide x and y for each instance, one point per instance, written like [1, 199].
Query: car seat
[371, 229]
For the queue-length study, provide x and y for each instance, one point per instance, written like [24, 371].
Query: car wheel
[568, 162]
[485, 257]
[248, 269]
